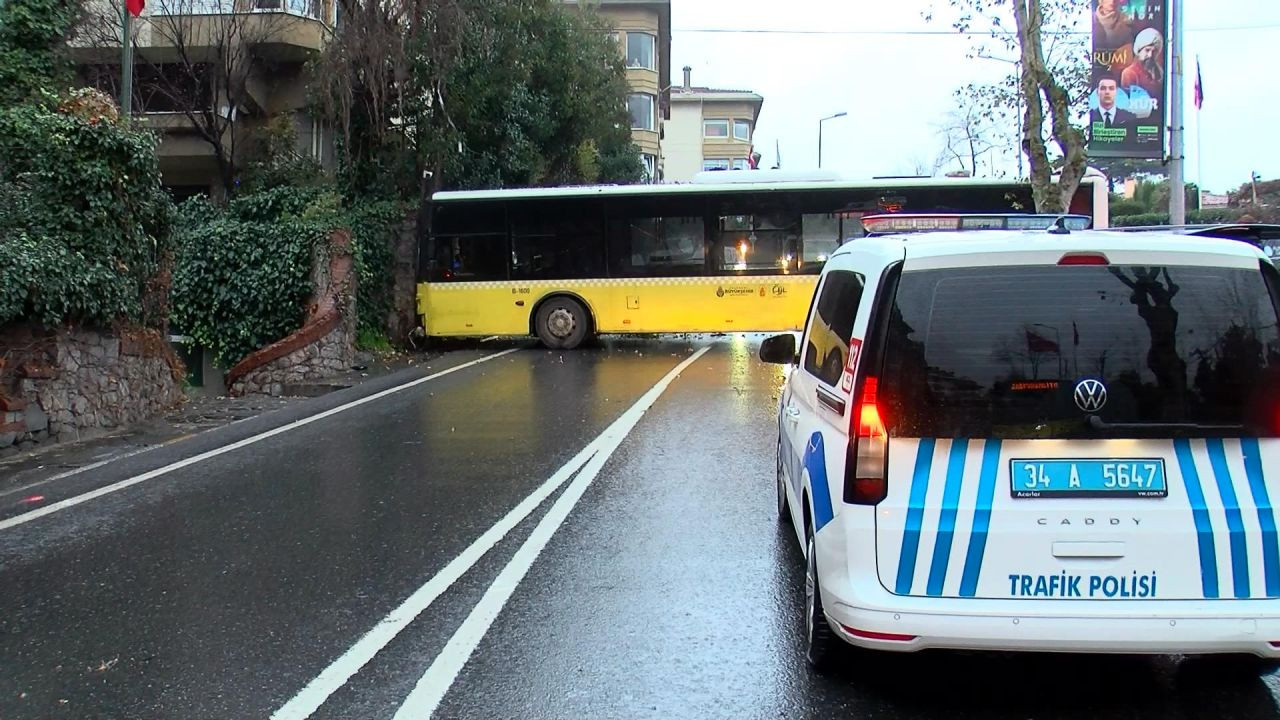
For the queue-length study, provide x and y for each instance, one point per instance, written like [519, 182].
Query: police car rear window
[1035, 351]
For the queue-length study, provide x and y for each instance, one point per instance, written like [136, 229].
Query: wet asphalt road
[220, 589]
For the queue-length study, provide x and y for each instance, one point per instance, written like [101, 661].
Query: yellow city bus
[731, 252]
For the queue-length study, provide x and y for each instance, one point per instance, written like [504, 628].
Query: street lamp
[831, 117]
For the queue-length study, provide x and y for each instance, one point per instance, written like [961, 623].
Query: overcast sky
[897, 88]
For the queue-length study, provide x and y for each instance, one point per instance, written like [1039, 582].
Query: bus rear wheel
[561, 323]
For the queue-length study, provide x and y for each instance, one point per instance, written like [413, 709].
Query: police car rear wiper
[1098, 423]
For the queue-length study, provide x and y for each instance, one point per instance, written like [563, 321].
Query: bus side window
[655, 246]
[560, 240]
[470, 242]
[470, 258]
[821, 238]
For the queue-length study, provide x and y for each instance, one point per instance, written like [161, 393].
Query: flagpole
[1177, 130]
[126, 63]
[1199, 141]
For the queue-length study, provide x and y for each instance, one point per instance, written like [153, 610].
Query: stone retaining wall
[72, 384]
[331, 355]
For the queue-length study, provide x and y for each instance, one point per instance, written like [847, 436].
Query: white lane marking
[116, 487]
[311, 697]
[439, 677]
[75, 471]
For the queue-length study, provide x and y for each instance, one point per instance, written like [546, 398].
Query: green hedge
[84, 221]
[243, 272]
[375, 230]
[1127, 207]
[1211, 216]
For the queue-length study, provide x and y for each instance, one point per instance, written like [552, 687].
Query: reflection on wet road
[227, 587]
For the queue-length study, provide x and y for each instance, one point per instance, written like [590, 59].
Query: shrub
[375, 228]
[1211, 216]
[243, 272]
[84, 220]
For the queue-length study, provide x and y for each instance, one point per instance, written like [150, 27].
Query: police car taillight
[867, 458]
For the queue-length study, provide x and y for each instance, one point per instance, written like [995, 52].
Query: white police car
[1055, 441]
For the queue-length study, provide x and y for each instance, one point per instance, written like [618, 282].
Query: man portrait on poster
[1108, 115]
[1147, 69]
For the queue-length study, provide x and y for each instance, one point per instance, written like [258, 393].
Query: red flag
[1199, 87]
[135, 6]
[1038, 344]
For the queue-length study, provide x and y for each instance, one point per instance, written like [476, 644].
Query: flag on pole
[1038, 343]
[1199, 97]
[135, 6]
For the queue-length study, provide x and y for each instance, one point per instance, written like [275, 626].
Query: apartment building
[709, 129]
[268, 42]
[643, 31]
[232, 65]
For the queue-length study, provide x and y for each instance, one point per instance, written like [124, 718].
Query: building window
[640, 106]
[715, 164]
[650, 167]
[741, 164]
[715, 128]
[742, 130]
[196, 7]
[641, 51]
[305, 8]
[311, 138]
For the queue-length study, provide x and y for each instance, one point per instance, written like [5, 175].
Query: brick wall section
[325, 345]
[75, 383]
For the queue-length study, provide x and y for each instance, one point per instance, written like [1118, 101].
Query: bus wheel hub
[561, 323]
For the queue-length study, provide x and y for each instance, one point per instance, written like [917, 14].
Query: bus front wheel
[561, 322]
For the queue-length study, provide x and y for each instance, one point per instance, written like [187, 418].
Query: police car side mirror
[779, 350]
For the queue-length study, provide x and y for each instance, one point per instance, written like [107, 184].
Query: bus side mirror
[779, 350]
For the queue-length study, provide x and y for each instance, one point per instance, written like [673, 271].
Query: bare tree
[205, 62]
[381, 82]
[1049, 88]
[967, 140]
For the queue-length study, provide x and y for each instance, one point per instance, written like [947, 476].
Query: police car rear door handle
[831, 401]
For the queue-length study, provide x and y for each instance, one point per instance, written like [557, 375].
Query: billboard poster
[1130, 79]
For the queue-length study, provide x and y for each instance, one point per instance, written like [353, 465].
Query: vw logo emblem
[1090, 395]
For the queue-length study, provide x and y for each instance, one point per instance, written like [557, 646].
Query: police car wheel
[784, 510]
[820, 642]
[562, 322]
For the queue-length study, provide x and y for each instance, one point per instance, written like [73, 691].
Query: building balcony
[279, 30]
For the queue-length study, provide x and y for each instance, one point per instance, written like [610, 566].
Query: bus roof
[765, 185]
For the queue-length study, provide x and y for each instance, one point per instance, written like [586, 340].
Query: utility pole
[1253, 178]
[1177, 158]
[126, 62]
